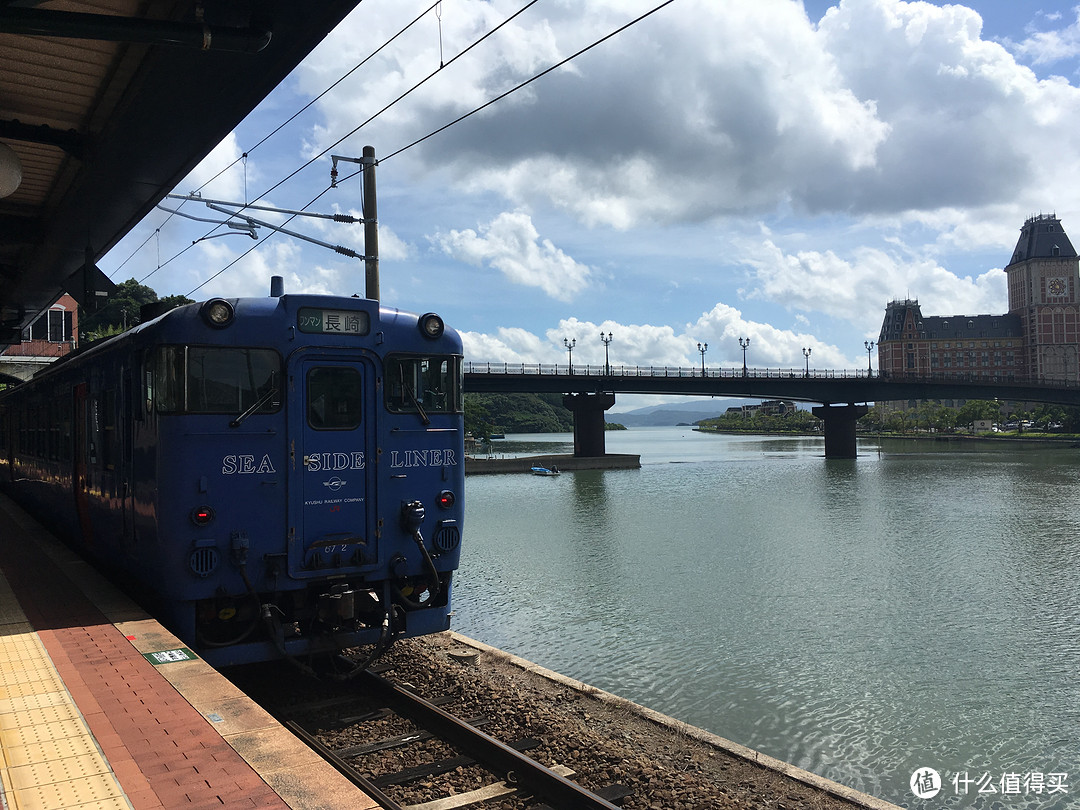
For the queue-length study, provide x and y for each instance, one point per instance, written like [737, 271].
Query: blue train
[277, 476]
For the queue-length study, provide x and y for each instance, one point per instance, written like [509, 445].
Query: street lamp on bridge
[744, 344]
[869, 344]
[607, 362]
[806, 353]
[703, 347]
[570, 344]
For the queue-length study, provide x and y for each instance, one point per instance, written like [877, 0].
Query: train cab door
[332, 514]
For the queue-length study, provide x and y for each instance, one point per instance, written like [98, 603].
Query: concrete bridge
[844, 395]
[16, 369]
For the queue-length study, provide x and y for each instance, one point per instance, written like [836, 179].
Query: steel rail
[487, 751]
[343, 767]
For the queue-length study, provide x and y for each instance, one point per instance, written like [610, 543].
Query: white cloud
[511, 244]
[857, 288]
[716, 152]
[648, 345]
[1048, 47]
[710, 109]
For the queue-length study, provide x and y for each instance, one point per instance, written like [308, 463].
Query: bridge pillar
[839, 421]
[588, 410]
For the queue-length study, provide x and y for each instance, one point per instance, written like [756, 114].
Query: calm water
[916, 607]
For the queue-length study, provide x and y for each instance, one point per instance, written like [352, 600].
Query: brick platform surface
[153, 724]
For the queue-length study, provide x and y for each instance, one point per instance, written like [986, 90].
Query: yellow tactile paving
[50, 760]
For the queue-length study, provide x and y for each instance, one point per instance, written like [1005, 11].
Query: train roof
[186, 322]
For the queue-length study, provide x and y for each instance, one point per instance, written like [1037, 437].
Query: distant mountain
[659, 418]
[675, 413]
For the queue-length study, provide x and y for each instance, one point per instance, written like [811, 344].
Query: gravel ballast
[603, 739]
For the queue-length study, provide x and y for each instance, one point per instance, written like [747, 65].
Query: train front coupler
[412, 517]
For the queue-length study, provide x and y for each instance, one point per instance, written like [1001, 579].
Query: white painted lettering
[317, 462]
[422, 458]
[245, 465]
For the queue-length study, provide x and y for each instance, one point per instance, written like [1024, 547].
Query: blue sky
[769, 169]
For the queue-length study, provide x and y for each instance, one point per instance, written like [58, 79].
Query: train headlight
[432, 326]
[202, 515]
[217, 312]
[445, 500]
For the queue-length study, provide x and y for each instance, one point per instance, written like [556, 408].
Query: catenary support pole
[371, 227]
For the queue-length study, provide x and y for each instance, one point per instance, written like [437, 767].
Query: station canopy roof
[107, 105]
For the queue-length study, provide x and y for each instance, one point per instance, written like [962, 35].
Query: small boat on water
[552, 470]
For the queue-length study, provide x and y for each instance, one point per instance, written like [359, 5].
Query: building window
[53, 326]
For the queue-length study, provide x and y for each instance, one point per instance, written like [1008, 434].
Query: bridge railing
[577, 370]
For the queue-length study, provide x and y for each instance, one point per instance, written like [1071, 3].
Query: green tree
[477, 417]
[978, 409]
[122, 311]
[1046, 414]
[517, 413]
[1070, 421]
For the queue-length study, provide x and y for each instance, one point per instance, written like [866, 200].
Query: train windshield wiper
[419, 408]
[270, 394]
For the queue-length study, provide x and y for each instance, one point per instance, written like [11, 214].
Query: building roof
[899, 314]
[1042, 237]
[970, 327]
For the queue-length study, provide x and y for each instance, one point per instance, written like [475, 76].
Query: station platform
[102, 708]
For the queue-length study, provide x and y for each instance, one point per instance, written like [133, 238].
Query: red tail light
[202, 515]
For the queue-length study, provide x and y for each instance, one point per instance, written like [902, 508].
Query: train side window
[168, 387]
[215, 379]
[334, 398]
[423, 384]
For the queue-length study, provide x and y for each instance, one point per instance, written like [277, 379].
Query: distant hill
[675, 413]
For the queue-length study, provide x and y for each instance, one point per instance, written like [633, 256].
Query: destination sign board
[333, 321]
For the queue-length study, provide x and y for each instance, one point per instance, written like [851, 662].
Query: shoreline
[524, 464]
[1066, 441]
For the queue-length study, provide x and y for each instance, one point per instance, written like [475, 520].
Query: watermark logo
[925, 783]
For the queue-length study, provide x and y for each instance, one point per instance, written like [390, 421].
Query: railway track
[521, 773]
[514, 772]
[578, 734]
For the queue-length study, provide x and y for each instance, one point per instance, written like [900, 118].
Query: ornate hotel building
[1036, 340]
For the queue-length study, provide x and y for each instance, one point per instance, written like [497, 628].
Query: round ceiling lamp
[10, 171]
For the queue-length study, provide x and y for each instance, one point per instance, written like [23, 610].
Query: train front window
[334, 398]
[216, 379]
[423, 385]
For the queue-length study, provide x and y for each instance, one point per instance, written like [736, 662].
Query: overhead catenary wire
[275, 131]
[443, 128]
[356, 129]
[527, 82]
